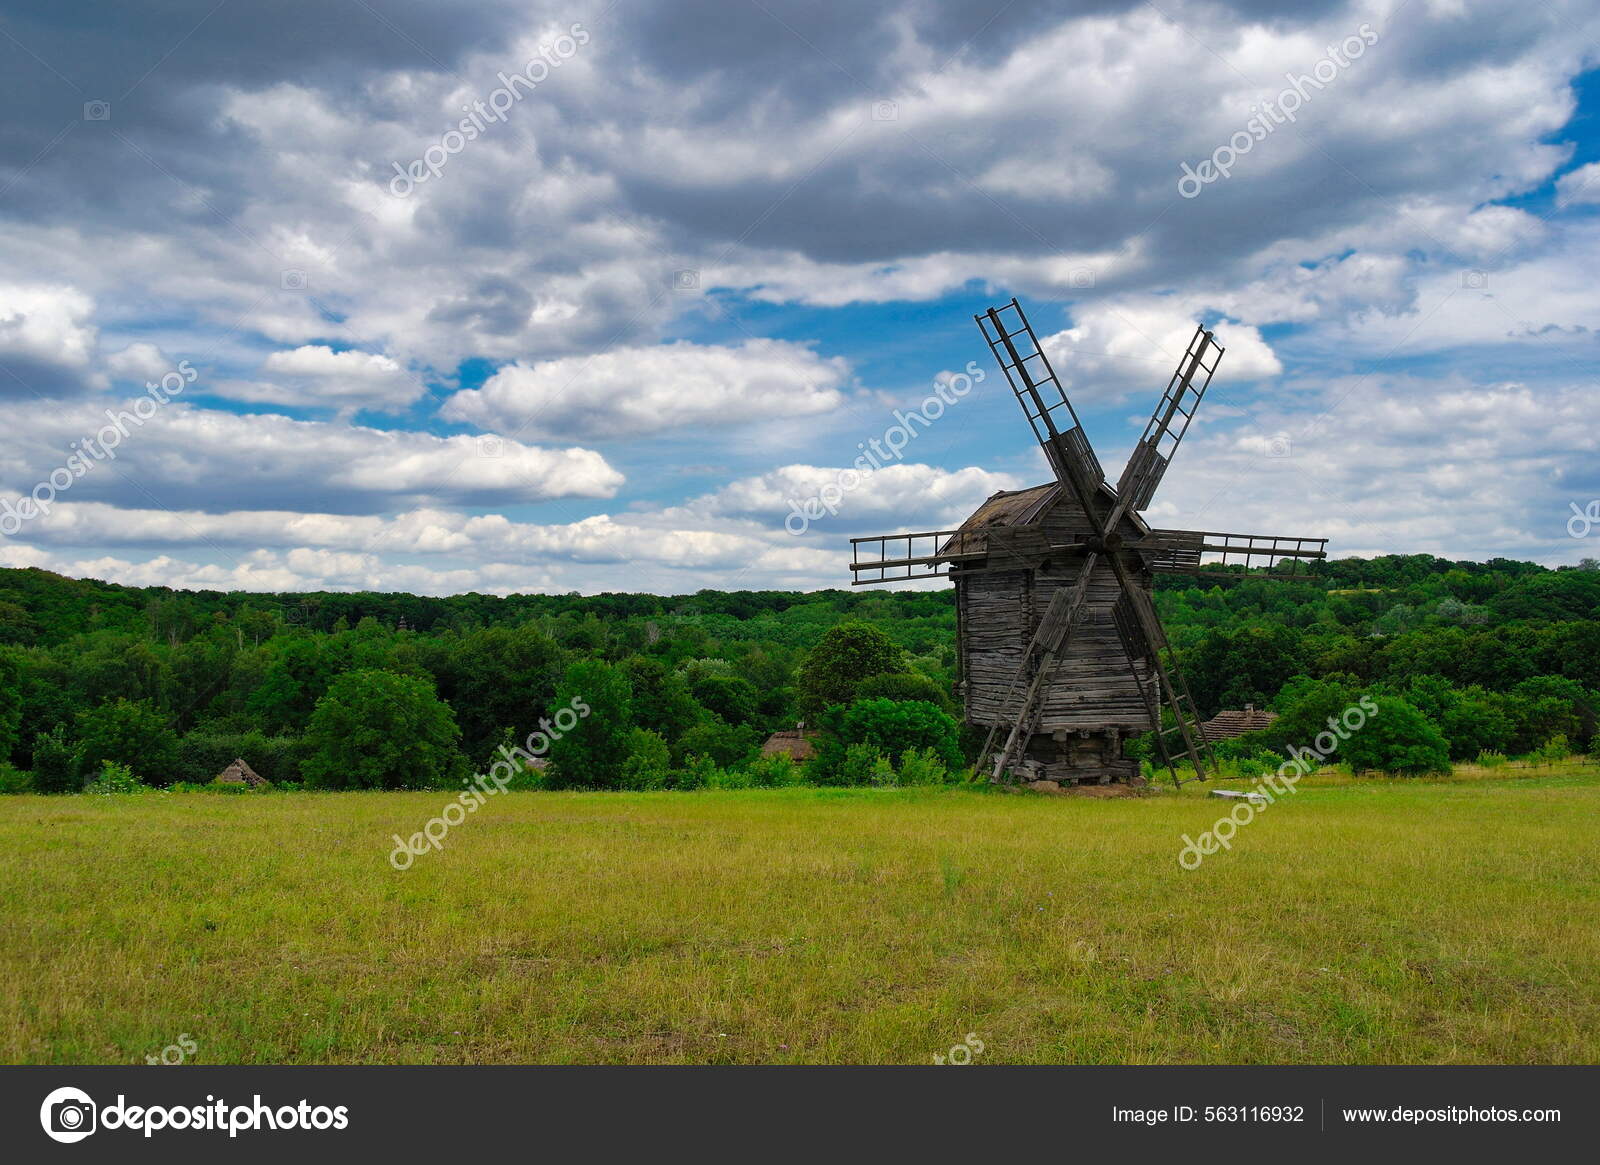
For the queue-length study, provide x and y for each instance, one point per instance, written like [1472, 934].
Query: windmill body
[1095, 700]
[1062, 656]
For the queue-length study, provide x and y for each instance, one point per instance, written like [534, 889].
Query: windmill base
[1078, 757]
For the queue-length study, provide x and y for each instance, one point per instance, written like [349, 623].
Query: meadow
[1357, 921]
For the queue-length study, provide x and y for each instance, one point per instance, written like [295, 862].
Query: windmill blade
[1188, 551]
[1050, 414]
[1170, 421]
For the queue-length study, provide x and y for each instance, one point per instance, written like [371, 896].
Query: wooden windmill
[1062, 655]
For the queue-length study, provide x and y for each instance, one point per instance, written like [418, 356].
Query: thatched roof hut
[791, 742]
[240, 773]
[1232, 722]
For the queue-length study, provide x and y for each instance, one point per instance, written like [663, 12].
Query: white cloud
[315, 375]
[205, 458]
[643, 390]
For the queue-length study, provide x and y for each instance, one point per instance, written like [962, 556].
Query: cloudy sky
[587, 296]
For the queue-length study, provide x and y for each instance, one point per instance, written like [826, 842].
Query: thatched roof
[1232, 722]
[792, 742]
[240, 773]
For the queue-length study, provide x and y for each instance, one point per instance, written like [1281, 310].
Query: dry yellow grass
[1357, 921]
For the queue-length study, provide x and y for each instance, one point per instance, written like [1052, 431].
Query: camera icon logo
[97, 111]
[1474, 280]
[68, 1115]
[1080, 277]
[1280, 446]
[686, 280]
[490, 445]
[293, 279]
[885, 111]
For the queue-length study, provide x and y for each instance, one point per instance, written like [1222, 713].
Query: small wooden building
[240, 773]
[795, 743]
[1234, 722]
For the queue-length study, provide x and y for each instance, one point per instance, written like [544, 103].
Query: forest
[107, 687]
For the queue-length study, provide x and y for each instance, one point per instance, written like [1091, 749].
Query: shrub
[1490, 759]
[775, 772]
[649, 763]
[721, 778]
[131, 733]
[1399, 739]
[905, 686]
[922, 766]
[14, 780]
[202, 754]
[724, 744]
[891, 727]
[114, 778]
[1552, 750]
[381, 730]
[55, 763]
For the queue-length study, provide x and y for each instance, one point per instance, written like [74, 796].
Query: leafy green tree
[10, 701]
[296, 678]
[55, 762]
[1478, 722]
[662, 702]
[1398, 739]
[887, 728]
[841, 659]
[649, 763]
[131, 733]
[498, 678]
[730, 697]
[592, 753]
[1305, 706]
[906, 686]
[379, 730]
[716, 740]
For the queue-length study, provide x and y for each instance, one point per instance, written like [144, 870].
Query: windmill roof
[1013, 509]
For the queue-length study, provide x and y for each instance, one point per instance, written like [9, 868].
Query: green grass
[1356, 921]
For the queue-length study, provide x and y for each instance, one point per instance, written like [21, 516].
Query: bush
[905, 686]
[1552, 750]
[381, 730]
[131, 733]
[727, 745]
[114, 778]
[1490, 759]
[1399, 739]
[14, 780]
[649, 763]
[203, 754]
[55, 763]
[922, 766]
[891, 728]
[775, 772]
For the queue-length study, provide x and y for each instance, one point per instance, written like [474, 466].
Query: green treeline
[105, 684]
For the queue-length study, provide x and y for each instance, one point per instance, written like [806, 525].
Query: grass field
[1356, 921]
